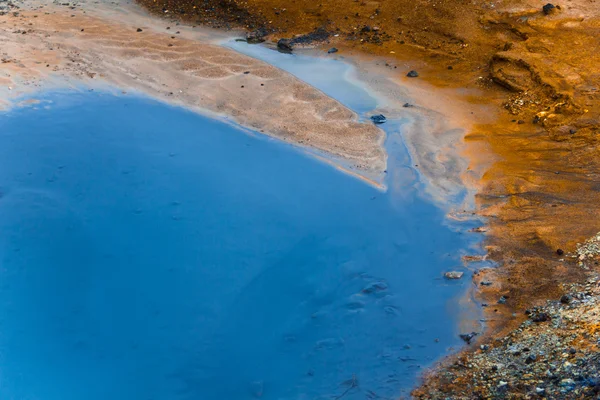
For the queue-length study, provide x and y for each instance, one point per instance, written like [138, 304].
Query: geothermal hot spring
[151, 253]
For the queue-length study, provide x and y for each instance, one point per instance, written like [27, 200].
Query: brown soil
[542, 193]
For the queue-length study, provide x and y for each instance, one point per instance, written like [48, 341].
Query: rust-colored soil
[542, 70]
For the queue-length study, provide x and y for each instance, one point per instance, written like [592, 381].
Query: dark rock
[366, 29]
[257, 36]
[530, 358]
[540, 317]
[565, 299]
[450, 67]
[560, 252]
[412, 74]
[502, 300]
[285, 45]
[485, 283]
[378, 119]
[319, 35]
[468, 337]
[573, 131]
[407, 105]
[332, 50]
[139, 29]
[548, 9]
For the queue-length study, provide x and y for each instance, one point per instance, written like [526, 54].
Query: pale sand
[195, 72]
[62, 46]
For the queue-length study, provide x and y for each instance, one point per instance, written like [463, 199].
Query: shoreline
[533, 169]
[283, 106]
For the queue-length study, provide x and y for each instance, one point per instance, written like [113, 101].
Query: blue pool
[151, 253]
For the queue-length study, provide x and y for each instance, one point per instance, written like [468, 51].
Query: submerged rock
[412, 74]
[378, 119]
[332, 50]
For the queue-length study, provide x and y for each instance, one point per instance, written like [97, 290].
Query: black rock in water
[332, 50]
[285, 45]
[468, 337]
[412, 74]
[139, 29]
[378, 119]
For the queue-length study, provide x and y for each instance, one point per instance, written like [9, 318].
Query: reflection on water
[151, 253]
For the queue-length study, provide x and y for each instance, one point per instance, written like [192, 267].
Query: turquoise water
[148, 252]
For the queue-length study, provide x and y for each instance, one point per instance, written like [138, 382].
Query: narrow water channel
[148, 252]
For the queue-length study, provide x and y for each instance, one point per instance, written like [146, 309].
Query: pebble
[378, 119]
[412, 74]
[453, 275]
[285, 45]
[548, 8]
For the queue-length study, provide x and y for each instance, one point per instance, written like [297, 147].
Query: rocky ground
[553, 354]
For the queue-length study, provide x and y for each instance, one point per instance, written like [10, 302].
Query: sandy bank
[49, 47]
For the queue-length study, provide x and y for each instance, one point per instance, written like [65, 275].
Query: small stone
[485, 283]
[453, 275]
[285, 45]
[378, 119]
[412, 74]
[560, 252]
[540, 317]
[332, 50]
[468, 337]
[567, 383]
[565, 299]
[139, 29]
[257, 36]
[530, 358]
[548, 9]
[407, 105]
[502, 300]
